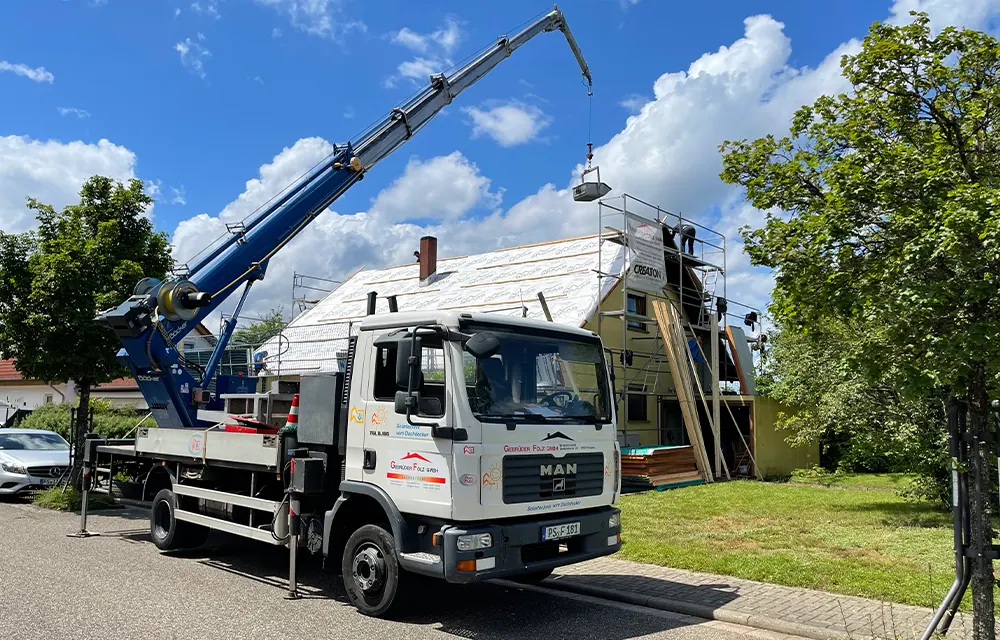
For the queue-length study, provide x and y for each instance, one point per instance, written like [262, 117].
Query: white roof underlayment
[502, 282]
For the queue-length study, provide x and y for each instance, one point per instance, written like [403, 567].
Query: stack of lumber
[658, 467]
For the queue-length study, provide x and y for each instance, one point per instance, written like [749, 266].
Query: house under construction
[650, 282]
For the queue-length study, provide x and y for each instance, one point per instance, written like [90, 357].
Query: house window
[48, 398]
[187, 345]
[637, 306]
[637, 408]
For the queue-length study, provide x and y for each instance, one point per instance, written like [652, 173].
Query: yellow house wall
[774, 456]
[611, 335]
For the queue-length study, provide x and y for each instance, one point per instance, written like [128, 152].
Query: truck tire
[168, 532]
[371, 571]
[535, 577]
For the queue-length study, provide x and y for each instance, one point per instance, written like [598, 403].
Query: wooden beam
[674, 346]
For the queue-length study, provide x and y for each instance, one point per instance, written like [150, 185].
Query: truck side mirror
[408, 354]
[483, 345]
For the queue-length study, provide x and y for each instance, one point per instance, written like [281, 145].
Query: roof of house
[8, 370]
[118, 384]
[506, 281]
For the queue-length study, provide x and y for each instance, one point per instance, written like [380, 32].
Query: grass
[873, 544]
[894, 481]
[71, 500]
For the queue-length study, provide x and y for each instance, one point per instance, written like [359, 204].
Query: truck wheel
[168, 532]
[535, 577]
[371, 571]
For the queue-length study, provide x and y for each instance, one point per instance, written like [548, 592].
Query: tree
[260, 331]
[54, 280]
[883, 214]
[863, 424]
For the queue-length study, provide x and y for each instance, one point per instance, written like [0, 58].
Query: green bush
[109, 421]
[54, 498]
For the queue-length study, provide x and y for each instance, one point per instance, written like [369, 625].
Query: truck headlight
[614, 520]
[475, 541]
[13, 467]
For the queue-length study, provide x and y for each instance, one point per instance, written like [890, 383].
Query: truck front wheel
[372, 575]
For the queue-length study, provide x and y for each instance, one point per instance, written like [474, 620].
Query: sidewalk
[804, 612]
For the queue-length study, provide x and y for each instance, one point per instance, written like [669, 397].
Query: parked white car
[30, 459]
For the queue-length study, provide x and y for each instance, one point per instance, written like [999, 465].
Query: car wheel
[371, 571]
[166, 530]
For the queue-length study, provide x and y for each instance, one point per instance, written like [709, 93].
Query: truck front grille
[545, 477]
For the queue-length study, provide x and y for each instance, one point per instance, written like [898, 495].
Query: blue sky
[199, 97]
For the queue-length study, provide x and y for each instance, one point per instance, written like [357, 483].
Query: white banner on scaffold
[645, 241]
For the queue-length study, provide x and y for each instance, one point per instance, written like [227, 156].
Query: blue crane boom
[159, 314]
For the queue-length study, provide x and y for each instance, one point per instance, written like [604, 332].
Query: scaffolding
[693, 281]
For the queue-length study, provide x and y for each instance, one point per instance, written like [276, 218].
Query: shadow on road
[483, 611]
[709, 595]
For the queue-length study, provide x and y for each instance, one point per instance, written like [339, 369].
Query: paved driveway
[119, 586]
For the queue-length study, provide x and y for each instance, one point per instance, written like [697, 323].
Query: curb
[701, 611]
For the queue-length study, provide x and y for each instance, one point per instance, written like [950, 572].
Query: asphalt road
[118, 585]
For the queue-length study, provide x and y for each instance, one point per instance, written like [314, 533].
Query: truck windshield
[539, 378]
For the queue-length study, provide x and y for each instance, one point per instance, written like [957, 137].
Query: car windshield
[32, 442]
[539, 378]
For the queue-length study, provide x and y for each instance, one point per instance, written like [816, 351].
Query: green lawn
[867, 480]
[866, 543]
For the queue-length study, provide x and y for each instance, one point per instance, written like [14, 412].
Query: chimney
[428, 258]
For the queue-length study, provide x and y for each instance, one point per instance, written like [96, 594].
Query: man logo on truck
[557, 470]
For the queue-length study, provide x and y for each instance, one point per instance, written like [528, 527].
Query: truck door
[404, 459]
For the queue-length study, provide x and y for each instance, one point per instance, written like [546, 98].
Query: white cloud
[973, 14]
[177, 12]
[193, 56]
[445, 38]
[177, 196]
[349, 112]
[209, 8]
[276, 32]
[322, 18]
[442, 188]
[633, 102]
[508, 123]
[73, 111]
[52, 172]
[38, 74]
[434, 49]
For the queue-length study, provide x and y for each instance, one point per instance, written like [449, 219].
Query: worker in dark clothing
[687, 234]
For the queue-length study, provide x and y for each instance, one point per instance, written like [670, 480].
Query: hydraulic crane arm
[152, 321]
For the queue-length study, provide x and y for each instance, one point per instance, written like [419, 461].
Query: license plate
[43, 481]
[560, 531]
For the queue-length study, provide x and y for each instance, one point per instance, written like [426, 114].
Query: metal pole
[716, 412]
[294, 505]
[956, 429]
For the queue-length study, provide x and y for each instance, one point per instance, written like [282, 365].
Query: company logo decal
[357, 415]
[415, 456]
[416, 471]
[195, 444]
[557, 434]
[468, 449]
[491, 479]
[378, 416]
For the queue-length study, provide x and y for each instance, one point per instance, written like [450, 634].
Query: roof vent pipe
[372, 295]
[393, 306]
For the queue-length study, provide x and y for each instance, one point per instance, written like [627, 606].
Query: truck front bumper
[519, 549]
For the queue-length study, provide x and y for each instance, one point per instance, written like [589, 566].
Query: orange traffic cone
[293, 414]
